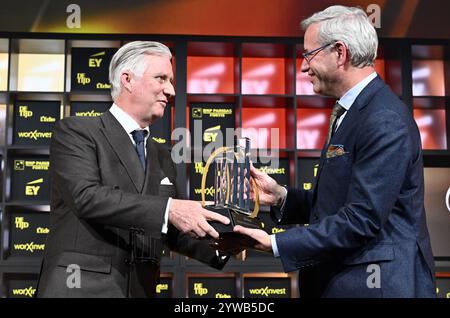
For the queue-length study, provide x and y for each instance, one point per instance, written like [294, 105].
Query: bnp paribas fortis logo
[197, 112]
[32, 188]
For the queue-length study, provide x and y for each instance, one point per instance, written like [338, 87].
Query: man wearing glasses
[367, 234]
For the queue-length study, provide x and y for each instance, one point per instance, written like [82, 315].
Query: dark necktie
[337, 112]
[139, 138]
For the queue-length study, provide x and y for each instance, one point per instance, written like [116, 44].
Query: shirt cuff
[274, 245]
[283, 200]
[165, 226]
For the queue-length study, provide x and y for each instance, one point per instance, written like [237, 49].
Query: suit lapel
[124, 149]
[361, 101]
[154, 170]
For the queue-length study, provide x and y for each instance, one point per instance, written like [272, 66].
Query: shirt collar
[126, 121]
[350, 96]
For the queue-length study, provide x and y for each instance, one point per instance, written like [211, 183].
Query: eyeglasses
[308, 56]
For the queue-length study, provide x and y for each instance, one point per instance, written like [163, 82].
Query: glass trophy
[232, 182]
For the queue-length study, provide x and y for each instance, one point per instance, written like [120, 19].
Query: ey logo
[94, 61]
[21, 223]
[210, 134]
[31, 189]
[199, 289]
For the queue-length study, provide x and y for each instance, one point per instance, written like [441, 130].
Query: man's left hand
[263, 244]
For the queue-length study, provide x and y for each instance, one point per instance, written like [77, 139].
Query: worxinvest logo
[29, 247]
[31, 189]
[266, 291]
[28, 292]
[34, 134]
[90, 113]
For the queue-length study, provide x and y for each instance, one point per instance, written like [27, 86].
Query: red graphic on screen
[312, 128]
[263, 76]
[266, 127]
[210, 75]
[431, 124]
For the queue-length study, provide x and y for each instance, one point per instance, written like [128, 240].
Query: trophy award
[232, 182]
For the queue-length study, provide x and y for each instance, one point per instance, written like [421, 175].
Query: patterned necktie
[337, 112]
[139, 138]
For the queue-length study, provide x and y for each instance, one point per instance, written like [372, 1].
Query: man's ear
[125, 79]
[342, 53]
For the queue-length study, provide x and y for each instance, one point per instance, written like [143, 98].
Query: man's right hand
[270, 192]
[189, 217]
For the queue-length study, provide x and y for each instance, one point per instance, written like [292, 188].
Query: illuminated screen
[428, 78]
[266, 127]
[263, 75]
[210, 75]
[432, 128]
[41, 72]
[3, 71]
[437, 206]
[312, 127]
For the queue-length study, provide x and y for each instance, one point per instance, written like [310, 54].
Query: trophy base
[236, 218]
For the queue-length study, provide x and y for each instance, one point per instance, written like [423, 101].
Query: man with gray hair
[366, 233]
[113, 191]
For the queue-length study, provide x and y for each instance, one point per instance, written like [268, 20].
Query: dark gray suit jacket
[100, 191]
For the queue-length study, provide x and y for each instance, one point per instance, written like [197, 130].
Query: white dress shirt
[130, 125]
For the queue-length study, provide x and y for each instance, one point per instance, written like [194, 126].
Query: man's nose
[169, 90]
[305, 66]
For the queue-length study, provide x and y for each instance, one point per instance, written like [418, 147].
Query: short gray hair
[130, 57]
[351, 26]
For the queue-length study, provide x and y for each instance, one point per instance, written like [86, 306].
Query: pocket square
[166, 181]
[335, 151]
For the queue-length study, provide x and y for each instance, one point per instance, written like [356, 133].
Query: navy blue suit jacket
[367, 233]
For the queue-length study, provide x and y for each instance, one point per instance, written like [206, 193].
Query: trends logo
[21, 223]
[31, 189]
